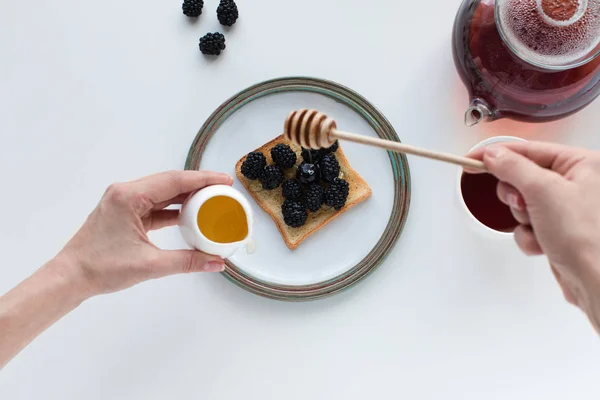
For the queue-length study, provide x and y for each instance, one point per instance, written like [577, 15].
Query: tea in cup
[478, 197]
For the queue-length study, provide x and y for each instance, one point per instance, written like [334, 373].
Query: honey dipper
[314, 130]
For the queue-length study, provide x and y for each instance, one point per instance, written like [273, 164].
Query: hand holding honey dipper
[553, 191]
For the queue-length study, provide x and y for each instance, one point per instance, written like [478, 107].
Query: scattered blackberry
[314, 197]
[271, 177]
[337, 194]
[311, 156]
[192, 8]
[253, 165]
[292, 189]
[227, 12]
[333, 148]
[212, 44]
[330, 168]
[307, 173]
[283, 156]
[294, 213]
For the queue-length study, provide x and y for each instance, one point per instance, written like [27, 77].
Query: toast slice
[271, 200]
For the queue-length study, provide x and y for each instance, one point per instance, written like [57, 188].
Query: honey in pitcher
[222, 219]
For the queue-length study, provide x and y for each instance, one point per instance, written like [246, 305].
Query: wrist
[67, 269]
[587, 270]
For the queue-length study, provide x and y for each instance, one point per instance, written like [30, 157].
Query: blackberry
[314, 156]
[271, 177]
[283, 156]
[292, 189]
[311, 156]
[227, 12]
[253, 165]
[307, 173]
[337, 194]
[192, 8]
[294, 213]
[314, 197]
[332, 149]
[212, 44]
[330, 168]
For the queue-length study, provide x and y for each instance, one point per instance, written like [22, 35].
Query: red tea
[502, 84]
[479, 193]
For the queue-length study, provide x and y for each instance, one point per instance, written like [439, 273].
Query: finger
[161, 219]
[510, 196]
[567, 293]
[168, 185]
[542, 153]
[527, 241]
[176, 200]
[524, 175]
[521, 216]
[172, 262]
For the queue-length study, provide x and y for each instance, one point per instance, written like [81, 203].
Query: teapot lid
[551, 34]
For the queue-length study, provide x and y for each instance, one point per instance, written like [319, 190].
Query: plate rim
[400, 169]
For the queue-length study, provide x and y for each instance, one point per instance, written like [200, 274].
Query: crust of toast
[271, 200]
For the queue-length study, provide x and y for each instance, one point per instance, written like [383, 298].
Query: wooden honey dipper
[314, 130]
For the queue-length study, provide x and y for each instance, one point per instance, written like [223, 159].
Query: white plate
[328, 260]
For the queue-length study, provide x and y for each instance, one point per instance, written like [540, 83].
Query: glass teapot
[529, 60]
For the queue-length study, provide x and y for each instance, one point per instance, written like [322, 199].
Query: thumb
[187, 261]
[526, 176]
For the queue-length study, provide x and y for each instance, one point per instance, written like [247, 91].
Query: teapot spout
[478, 111]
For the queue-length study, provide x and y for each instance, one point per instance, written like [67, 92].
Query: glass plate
[349, 248]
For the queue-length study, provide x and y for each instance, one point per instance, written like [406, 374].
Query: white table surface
[97, 92]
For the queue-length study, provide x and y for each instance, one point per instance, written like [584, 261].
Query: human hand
[112, 252]
[554, 193]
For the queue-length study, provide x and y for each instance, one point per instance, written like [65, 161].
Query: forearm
[591, 301]
[37, 303]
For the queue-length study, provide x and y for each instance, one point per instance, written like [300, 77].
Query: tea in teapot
[529, 60]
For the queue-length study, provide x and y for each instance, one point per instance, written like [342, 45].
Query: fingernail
[513, 201]
[495, 151]
[229, 178]
[214, 266]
